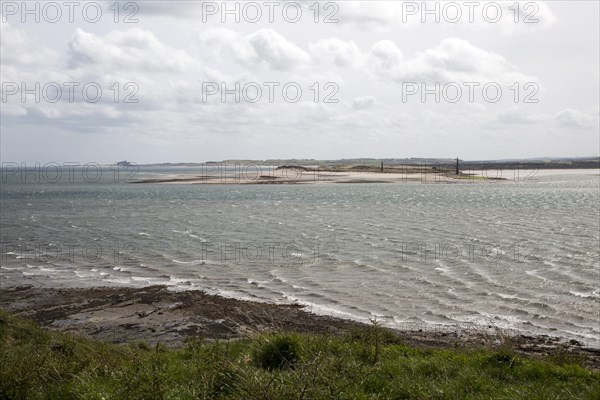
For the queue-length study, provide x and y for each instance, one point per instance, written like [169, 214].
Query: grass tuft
[278, 352]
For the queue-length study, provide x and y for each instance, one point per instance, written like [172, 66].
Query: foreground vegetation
[370, 364]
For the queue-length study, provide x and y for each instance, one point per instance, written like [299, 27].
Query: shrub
[278, 352]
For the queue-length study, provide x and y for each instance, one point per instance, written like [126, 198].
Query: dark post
[381, 165]
[457, 171]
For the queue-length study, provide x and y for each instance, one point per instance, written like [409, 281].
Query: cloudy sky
[153, 81]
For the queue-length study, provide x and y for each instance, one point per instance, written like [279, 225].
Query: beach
[254, 174]
[320, 176]
[157, 315]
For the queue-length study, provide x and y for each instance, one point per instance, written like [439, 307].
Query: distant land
[361, 170]
[541, 162]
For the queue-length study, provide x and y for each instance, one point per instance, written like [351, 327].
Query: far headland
[358, 170]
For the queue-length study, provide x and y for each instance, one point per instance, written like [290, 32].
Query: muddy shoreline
[154, 314]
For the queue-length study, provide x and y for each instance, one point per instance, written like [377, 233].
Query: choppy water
[519, 256]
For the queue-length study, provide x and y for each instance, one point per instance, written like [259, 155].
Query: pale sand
[290, 176]
[297, 176]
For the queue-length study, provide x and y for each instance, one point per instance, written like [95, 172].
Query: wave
[193, 262]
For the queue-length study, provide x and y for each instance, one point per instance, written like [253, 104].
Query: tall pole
[457, 171]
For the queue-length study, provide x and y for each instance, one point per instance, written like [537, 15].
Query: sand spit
[297, 176]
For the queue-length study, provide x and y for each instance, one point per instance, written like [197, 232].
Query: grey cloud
[362, 103]
[576, 119]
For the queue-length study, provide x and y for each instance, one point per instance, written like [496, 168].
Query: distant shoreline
[358, 174]
[591, 162]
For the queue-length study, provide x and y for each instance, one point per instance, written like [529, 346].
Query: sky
[194, 81]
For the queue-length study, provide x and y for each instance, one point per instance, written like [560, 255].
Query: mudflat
[157, 315]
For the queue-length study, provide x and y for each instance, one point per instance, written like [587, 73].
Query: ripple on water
[178, 234]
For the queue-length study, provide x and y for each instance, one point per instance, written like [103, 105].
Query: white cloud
[264, 47]
[334, 51]
[515, 115]
[527, 16]
[134, 49]
[228, 44]
[386, 56]
[21, 49]
[371, 13]
[275, 50]
[411, 14]
[453, 60]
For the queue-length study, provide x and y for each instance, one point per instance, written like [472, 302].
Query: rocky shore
[155, 314]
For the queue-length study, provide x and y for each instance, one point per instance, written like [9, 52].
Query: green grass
[368, 364]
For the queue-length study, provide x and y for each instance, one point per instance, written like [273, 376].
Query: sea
[520, 256]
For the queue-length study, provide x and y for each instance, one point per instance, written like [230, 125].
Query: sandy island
[310, 175]
[155, 314]
[363, 174]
